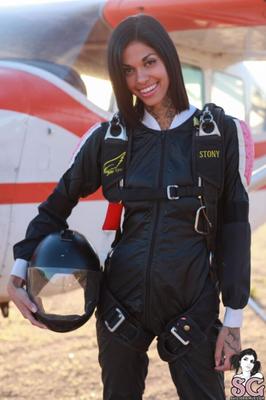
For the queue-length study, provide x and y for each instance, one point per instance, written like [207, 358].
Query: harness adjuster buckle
[169, 195]
[177, 336]
[117, 319]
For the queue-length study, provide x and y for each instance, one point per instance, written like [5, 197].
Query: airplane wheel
[5, 309]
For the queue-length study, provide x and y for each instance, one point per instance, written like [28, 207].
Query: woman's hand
[21, 299]
[228, 343]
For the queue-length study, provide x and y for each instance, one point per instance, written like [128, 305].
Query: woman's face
[145, 73]
[247, 363]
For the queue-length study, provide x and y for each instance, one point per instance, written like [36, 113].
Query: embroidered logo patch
[114, 166]
[209, 153]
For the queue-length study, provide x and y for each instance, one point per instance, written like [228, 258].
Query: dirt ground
[37, 364]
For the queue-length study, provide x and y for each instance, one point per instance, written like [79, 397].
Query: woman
[159, 271]
[249, 364]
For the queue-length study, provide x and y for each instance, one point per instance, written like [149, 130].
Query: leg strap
[189, 329]
[120, 324]
[179, 335]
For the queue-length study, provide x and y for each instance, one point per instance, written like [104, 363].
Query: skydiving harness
[208, 167]
[174, 341]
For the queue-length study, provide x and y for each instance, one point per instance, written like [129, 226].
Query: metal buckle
[207, 119]
[168, 189]
[197, 218]
[121, 318]
[174, 332]
[120, 135]
[215, 129]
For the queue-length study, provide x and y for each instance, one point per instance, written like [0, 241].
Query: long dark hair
[148, 30]
[236, 358]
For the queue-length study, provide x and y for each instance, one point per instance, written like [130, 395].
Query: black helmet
[63, 280]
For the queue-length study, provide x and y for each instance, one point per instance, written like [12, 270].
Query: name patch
[209, 153]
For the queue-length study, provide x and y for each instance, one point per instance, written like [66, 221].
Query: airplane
[50, 51]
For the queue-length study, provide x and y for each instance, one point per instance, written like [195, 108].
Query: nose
[249, 365]
[142, 76]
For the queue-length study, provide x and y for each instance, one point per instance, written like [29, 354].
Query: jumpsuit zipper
[156, 215]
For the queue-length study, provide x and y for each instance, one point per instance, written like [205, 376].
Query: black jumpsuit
[160, 267]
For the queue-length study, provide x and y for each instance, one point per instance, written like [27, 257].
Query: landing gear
[4, 308]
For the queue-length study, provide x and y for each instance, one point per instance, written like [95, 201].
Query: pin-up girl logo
[248, 380]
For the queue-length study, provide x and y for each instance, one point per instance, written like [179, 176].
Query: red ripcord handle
[113, 217]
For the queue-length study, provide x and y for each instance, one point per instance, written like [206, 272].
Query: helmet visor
[58, 291]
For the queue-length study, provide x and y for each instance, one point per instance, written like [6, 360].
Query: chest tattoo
[164, 114]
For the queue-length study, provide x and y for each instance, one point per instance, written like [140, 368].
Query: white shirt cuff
[233, 318]
[20, 268]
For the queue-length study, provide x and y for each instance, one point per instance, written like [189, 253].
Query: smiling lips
[148, 91]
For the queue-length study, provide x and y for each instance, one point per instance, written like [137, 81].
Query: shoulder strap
[114, 151]
[114, 159]
[208, 157]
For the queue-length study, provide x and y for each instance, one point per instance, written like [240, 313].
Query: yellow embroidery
[209, 154]
[113, 166]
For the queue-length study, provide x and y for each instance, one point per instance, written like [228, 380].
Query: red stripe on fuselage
[21, 193]
[29, 94]
[26, 93]
[260, 149]
[11, 193]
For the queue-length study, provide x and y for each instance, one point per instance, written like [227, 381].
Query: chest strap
[170, 192]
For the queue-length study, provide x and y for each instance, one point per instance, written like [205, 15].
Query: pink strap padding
[250, 152]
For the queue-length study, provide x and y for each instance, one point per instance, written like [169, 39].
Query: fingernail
[33, 308]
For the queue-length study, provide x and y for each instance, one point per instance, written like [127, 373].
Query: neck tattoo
[164, 114]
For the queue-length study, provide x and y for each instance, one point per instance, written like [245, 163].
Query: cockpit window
[193, 77]
[99, 92]
[228, 92]
[257, 116]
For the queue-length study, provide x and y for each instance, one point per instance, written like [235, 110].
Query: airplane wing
[75, 33]
[220, 32]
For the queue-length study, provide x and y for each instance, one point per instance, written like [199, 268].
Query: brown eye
[150, 62]
[127, 71]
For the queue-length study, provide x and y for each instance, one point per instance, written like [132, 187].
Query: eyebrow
[143, 59]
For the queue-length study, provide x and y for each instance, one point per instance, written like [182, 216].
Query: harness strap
[177, 337]
[121, 324]
[190, 328]
[182, 332]
[211, 201]
[170, 192]
[208, 165]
